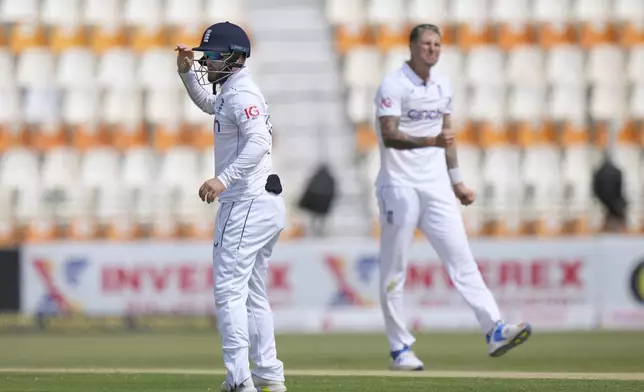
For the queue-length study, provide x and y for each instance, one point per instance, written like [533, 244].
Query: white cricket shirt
[421, 108]
[243, 133]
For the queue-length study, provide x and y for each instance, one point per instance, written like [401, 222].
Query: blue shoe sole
[518, 340]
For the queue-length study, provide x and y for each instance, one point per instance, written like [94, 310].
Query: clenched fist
[211, 189]
[445, 139]
[464, 194]
[185, 56]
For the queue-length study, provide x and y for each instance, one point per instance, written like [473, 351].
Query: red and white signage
[316, 286]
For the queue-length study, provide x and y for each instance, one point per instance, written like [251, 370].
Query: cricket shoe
[246, 386]
[405, 359]
[504, 337]
[264, 385]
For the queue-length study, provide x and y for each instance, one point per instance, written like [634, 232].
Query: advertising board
[317, 286]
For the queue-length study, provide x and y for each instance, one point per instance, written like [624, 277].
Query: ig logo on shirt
[251, 112]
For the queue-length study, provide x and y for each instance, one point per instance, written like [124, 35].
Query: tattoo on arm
[395, 139]
[450, 153]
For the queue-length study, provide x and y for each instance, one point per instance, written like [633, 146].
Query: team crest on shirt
[251, 112]
[386, 102]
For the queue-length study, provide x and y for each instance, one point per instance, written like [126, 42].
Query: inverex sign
[553, 283]
[132, 278]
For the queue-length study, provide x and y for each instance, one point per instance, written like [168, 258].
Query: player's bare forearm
[450, 152]
[451, 157]
[393, 138]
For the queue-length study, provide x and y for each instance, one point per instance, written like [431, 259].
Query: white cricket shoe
[504, 337]
[246, 386]
[263, 385]
[406, 360]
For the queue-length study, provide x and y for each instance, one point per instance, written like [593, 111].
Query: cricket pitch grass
[191, 361]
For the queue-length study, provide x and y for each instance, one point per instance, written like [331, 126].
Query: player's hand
[185, 56]
[211, 189]
[464, 194]
[445, 139]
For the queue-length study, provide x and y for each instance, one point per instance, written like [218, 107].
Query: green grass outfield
[597, 361]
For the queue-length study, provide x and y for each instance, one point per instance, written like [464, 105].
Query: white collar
[414, 78]
[242, 73]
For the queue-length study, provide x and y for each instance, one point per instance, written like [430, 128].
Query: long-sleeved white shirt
[243, 133]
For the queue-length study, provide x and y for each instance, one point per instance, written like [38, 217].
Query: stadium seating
[546, 84]
[99, 140]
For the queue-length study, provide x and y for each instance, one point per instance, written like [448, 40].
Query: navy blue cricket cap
[224, 37]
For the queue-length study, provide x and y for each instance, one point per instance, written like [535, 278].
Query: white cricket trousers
[436, 212]
[245, 235]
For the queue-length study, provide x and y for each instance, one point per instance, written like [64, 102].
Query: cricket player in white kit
[416, 187]
[251, 213]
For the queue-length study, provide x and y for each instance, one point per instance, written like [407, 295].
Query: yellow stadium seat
[630, 34]
[367, 138]
[573, 134]
[47, 136]
[187, 35]
[509, 36]
[165, 230]
[41, 230]
[121, 230]
[490, 134]
[146, 38]
[85, 137]
[126, 136]
[526, 133]
[470, 36]
[12, 138]
[201, 230]
[348, 37]
[65, 37]
[551, 35]
[167, 136]
[26, 36]
[103, 39]
[390, 36]
[595, 34]
[83, 228]
[200, 135]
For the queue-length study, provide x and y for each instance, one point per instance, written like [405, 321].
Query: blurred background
[98, 138]
[102, 154]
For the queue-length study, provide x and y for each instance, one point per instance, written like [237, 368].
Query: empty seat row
[111, 12]
[498, 104]
[545, 185]
[481, 11]
[505, 36]
[106, 193]
[91, 105]
[68, 186]
[81, 68]
[529, 65]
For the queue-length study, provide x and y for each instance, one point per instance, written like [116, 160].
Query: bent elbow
[389, 143]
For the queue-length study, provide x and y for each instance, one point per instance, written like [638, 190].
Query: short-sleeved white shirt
[421, 108]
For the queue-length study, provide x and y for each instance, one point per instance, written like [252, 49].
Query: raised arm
[202, 98]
